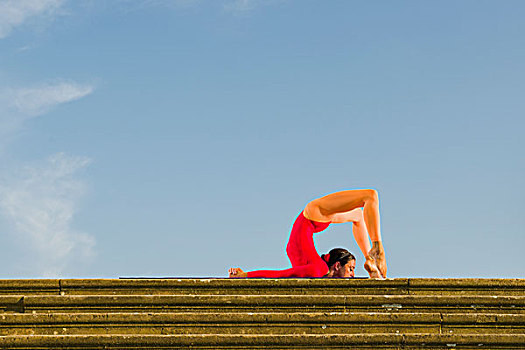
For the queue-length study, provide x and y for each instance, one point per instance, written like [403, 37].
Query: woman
[339, 207]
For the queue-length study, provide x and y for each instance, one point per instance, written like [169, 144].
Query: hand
[236, 272]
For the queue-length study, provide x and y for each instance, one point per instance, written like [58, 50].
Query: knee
[371, 195]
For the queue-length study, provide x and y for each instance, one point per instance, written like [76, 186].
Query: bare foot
[236, 272]
[371, 267]
[378, 254]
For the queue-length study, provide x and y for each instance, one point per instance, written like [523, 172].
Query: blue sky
[181, 138]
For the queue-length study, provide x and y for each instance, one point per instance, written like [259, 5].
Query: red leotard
[306, 262]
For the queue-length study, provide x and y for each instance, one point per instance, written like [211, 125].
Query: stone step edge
[7, 342]
[433, 283]
[365, 318]
[184, 299]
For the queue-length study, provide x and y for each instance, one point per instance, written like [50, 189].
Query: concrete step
[299, 286]
[289, 341]
[259, 323]
[262, 313]
[264, 303]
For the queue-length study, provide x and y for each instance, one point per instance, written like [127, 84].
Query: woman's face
[347, 271]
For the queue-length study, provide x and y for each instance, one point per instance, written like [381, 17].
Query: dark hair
[337, 254]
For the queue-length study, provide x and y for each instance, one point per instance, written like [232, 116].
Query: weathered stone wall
[262, 313]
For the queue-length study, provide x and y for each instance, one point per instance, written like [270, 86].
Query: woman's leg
[361, 236]
[322, 209]
[325, 208]
[360, 233]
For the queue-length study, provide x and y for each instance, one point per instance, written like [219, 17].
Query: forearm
[311, 270]
[271, 273]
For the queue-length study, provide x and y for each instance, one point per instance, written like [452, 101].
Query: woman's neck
[330, 274]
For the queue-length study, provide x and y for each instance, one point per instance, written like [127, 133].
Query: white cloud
[233, 6]
[170, 2]
[139, 5]
[244, 6]
[38, 100]
[38, 202]
[14, 13]
[18, 105]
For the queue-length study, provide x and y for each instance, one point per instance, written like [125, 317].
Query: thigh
[324, 208]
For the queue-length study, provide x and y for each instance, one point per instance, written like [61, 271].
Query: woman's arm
[311, 270]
